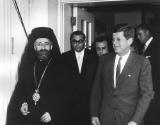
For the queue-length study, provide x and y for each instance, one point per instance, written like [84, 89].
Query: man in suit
[123, 85]
[151, 51]
[81, 64]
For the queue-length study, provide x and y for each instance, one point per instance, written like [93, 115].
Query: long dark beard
[43, 55]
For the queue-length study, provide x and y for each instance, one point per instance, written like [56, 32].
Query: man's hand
[132, 123]
[95, 121]
[24, 109]
[46, 117]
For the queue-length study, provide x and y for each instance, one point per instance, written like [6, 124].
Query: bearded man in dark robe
[41, 95]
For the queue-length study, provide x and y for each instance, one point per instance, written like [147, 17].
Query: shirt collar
[124, 56]
[79, 53]
[148, 41]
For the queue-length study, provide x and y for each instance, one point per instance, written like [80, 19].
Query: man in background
[101, 45]
[81, 64]
[151, 51]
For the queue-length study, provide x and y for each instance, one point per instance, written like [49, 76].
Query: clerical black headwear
[43, 32]
[29, 55]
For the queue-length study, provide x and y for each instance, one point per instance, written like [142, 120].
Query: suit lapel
[126, 69]
[149, 48]
[84, 62]
[111, 72]
[74, 61]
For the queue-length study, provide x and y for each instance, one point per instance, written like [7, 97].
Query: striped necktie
[118, 68]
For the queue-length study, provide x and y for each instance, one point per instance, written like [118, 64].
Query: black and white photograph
[79, 62]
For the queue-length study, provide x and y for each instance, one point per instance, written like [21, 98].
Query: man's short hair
[101, 39]
[77, 33]
[144, 27]
[128, 30]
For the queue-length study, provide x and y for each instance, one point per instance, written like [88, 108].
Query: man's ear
[51, 46]
[130, 41]
[147, 32]
[34, 46]
[85, 43]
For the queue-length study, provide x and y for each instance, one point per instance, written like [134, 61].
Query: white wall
[67, 27]
[45, 13]
[38, 13]
[12, 41]
[3, 60]
[53, 15]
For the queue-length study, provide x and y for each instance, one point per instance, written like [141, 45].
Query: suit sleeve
[145, 91]
[96, 93]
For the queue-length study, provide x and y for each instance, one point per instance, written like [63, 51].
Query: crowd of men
[84, 87]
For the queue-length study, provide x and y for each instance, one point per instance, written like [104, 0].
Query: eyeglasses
[77, 41]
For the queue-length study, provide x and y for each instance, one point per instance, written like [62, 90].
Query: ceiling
[123, 2]
[145, 5]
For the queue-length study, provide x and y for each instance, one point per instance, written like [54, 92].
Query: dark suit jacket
[130, 99]
[152, 53]
[55, 98]
[81, 82]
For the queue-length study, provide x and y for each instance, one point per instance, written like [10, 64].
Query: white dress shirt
[79, 57]
[147, 44]
[123, 62]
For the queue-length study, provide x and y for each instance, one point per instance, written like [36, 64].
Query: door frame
[61, 18]
[62, 3]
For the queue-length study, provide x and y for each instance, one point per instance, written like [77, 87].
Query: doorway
[108, 13]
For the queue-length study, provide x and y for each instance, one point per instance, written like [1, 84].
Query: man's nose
[101, 51]
[77, 44]
[42, 47]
